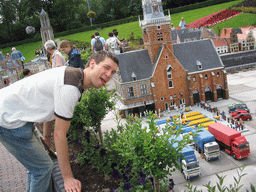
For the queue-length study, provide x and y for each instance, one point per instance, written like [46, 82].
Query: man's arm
[106, 46]
[60, 132]
[92, 48]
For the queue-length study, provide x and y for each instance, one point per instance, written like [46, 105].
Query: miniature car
[243, 116]
[238, 112]
[238, 106]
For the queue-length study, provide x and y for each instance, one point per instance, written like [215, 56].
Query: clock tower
[155, 27]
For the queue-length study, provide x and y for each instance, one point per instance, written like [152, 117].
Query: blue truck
[205, 144]
[189, 164]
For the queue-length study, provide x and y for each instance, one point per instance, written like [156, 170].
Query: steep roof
[194, 53]
[135, 63]
[226, 32]
[219, 42]
[187, 33]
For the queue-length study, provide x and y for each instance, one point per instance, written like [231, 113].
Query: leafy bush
[138, 156]
[220, 185]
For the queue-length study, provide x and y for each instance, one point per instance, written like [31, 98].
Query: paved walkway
[13, 176]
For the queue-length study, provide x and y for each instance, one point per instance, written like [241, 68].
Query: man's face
[101, 73]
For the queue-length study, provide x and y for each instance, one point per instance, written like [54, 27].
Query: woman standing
[74, 55]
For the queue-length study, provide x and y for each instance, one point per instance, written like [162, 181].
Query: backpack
[98, 44]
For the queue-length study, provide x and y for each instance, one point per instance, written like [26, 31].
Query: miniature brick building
[166, 74]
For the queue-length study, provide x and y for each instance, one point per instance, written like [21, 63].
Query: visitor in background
[74, 54]
[172, 27]
[58, 59]
[37, 53]
[182, 23]
[17, 56]
[114, 45]
[98, 43]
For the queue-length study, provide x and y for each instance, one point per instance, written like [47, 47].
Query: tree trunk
[100, 133]
[157, 185]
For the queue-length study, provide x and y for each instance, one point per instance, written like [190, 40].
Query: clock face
[155, 8]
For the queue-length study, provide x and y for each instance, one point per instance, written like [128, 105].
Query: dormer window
[199, 64]
[169, 71]
[134, 78]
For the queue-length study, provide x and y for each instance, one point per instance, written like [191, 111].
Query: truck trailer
[189, 163]
[205, 144]
[231, 140]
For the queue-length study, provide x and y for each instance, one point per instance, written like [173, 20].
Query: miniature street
[242, 88]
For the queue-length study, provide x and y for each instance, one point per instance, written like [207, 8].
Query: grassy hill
[125, 30]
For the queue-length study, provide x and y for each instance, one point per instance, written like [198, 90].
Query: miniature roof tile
[240, 58]
[242, 36]
[203, 51]
[185, 34]
[137, 62]
[219, 42]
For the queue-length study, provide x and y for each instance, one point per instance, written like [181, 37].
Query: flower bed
[214, 18]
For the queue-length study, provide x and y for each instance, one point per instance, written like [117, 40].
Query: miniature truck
[231, 140]
[205, 144]
[189, 164]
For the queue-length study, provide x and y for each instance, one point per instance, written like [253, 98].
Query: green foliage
[221, 187]
[245, 9]
[21, 75]
[86, 54]
[135, 152]
[94, 105]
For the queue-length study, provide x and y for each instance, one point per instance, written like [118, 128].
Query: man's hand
[72, 185]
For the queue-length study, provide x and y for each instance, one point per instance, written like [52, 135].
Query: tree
[8, 13]
[91, 110]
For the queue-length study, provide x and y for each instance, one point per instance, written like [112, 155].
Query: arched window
[206, 76]
[170, 84]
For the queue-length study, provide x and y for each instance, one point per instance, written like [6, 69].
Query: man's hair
[13, 49]
[116, 33]
[26, 72]
[101, 56]
[114, 30]
[96, 33]
[50, 44]
[110, 34]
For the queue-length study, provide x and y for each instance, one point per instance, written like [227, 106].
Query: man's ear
[92, 63]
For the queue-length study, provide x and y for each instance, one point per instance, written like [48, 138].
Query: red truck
[230, 139]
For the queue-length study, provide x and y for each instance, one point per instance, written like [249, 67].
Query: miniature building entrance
[208, 94]
[196, 96]
[220, 92]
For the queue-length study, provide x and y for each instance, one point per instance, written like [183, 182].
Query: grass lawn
[28, 50]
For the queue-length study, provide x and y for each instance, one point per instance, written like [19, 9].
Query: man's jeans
[28, 149]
